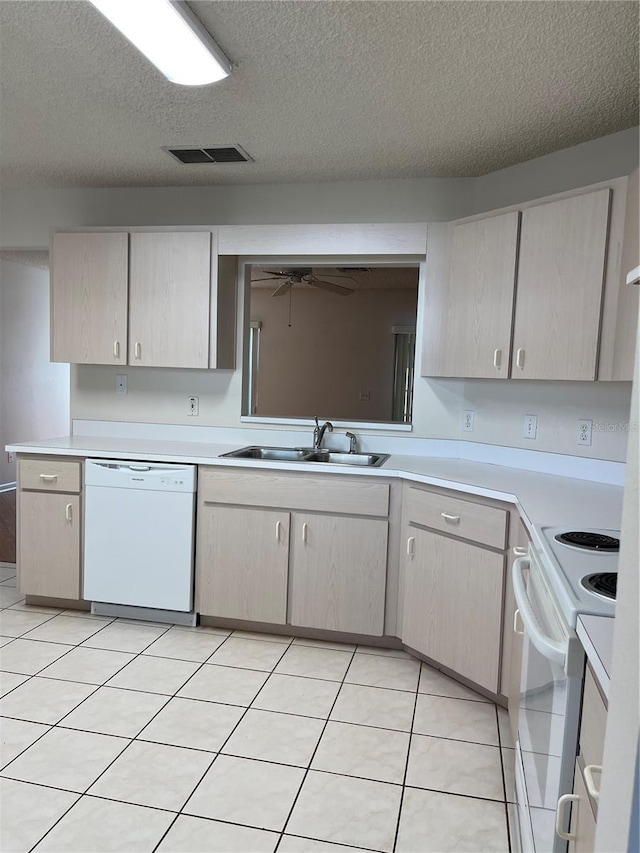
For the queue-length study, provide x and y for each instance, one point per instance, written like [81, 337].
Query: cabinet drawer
[594, 721]
[288, 491]
[49, 475]
[486, 525]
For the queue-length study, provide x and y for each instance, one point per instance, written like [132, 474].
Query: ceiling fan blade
[283, 288]
[330, 275]
[264, 279]
[332, 288]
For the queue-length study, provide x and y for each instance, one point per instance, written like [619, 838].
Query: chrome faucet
[319, 431]
[353, 442]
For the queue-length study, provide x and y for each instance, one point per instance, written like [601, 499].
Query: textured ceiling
[321, 90]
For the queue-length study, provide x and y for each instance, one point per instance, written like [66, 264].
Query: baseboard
[7, 487]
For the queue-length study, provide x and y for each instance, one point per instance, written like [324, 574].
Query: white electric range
[565, 574]
[571, 558]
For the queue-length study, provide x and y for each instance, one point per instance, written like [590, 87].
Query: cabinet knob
[116, 349]
[304, 532]
[497, 358]
[515, 623]
[278, 526]
[68, 513]
[519, 552]
[520, 358]
[137, 350]
[48, 478]
[411, 546]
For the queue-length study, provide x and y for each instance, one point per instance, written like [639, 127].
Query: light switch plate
[121, 383]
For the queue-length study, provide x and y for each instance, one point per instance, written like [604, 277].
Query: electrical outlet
[365, 396]
[194, 407]
[585, 429]
[11, 457]
[530, 426]
[468, 420]
[121, 383]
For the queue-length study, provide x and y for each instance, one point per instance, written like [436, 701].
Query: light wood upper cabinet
[89, 279]
[559, 288]
[468, 325]
[169, 299]
[453, 604]
[242, 563]
[338, 567]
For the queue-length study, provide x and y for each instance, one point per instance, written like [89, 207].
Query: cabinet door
[559, 288]
[583, 824]
[49, 544]
[242, 564]
[470, 331]
[169, 299]
[339, 567]
[89, 298]
[453, 604]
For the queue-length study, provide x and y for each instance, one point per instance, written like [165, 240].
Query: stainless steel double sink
[309, 454]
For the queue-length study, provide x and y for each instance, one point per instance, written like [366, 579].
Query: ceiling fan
[304, 275]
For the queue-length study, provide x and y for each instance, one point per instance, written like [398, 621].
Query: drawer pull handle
[116, 349]
[520, 552]
[589, 770]
[520, 358]
[411, 546]
[497, 358]
[49, 478]
[304, 532]
[562, 802]
[68, 513]
[278, 526]
[137, 350]
[515, 623]
[454, 519]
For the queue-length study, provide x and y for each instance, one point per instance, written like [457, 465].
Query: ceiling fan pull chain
[290, 292]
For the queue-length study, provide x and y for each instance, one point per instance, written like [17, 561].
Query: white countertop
[542, 499]
[596, 636]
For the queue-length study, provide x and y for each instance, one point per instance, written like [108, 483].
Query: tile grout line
[307, 769]
[504, 782]
[215, 757]
[406, 766]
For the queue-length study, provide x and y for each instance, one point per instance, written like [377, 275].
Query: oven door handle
[547, 646]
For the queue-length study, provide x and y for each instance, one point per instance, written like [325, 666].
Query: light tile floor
[118, 735]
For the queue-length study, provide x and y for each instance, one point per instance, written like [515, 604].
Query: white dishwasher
[139, 534]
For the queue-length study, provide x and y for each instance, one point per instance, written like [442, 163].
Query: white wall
[161, 395]
[34, 394]
[599, 160]
[27, 215]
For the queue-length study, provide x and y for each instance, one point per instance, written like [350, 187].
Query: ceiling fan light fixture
[171, 37]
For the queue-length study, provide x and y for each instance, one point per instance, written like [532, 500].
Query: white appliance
[139, 534]
[549, 595]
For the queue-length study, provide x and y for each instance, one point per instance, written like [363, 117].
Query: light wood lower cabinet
[339, 566]
[243, 563]
[453, 604]
[49, 544]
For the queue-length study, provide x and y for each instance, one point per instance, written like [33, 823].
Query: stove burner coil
[589, 541]
[604, 584]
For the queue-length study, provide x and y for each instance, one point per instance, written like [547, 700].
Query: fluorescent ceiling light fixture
[171, 37]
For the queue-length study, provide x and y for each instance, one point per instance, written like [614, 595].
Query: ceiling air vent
[219, 154]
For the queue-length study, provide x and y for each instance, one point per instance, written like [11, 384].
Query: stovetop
[568, 564]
